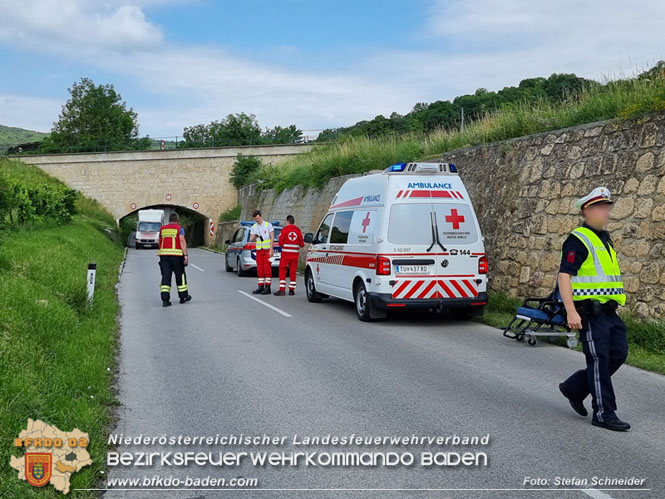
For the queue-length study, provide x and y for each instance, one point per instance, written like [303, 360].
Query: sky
[313, 63]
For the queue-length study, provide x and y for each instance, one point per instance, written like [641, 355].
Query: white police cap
[598, 195]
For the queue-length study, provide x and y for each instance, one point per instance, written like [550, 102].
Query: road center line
[596, 494]
[265, 304]
[197, 268]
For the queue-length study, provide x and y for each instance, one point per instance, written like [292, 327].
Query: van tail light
[382, 266]
[482, 265]
[249, 246]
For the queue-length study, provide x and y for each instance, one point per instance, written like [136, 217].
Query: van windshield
[149, 226]
[412, 223]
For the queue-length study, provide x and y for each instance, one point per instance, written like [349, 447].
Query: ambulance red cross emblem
[365, 222]
[292, 236]
[454, 218]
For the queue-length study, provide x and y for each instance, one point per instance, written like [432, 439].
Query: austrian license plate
[412, 269]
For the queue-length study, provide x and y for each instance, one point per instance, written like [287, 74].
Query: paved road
[225, 364]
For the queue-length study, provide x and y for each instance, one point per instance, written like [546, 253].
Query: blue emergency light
[397, 167]
[452, 168]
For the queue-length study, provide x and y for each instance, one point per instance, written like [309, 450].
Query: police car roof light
[397, 167]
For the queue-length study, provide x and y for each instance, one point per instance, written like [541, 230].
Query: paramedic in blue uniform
[591, 289]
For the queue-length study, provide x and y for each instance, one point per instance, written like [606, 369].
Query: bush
[231, 214]
[243, 169]
[28, 195]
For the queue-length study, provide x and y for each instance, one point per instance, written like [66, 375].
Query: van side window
[340, 228]
[324, 230]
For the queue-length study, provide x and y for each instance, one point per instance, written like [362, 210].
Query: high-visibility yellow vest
[169, 240]
[266, 243]
[599, 277]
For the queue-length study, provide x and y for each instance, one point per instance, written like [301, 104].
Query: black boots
[258, 291]
[279, 293]
[166, 303]
[266, 290]
[614, 425]
[577, 405]
[186, 299]
[292, 292]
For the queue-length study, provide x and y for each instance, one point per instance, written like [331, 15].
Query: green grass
[56, 353]
[10, 136]
[622, 99]
[646, 337]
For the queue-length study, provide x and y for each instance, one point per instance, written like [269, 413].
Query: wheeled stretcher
[541, 317]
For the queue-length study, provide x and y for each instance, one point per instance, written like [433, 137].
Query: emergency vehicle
[240, 254]
[406, 237]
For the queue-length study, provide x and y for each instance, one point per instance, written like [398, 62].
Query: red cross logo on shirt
[365, 222]
[292, 236]
[454, 218]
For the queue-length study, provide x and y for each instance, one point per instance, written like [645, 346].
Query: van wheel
[363, 305]
[239, 271]
[313, 295]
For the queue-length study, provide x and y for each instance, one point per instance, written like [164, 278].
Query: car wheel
[362, 302]
[310, 288]
[239, 271]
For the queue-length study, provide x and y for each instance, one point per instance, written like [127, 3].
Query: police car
[407, 237]
[241, 254]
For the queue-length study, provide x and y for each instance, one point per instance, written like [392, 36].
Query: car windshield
[149, 226]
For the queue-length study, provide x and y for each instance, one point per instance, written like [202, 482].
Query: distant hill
[11, 136]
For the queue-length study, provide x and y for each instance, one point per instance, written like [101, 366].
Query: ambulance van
[407, 237]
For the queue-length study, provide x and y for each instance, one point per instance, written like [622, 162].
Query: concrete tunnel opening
[195, 224]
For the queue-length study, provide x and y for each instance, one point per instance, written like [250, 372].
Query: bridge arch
[196, 224]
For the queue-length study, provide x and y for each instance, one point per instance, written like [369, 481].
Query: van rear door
[457, 265]
[443, 236]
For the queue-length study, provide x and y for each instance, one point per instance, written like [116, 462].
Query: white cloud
[469, 44]
[76, 25]
[33, 113]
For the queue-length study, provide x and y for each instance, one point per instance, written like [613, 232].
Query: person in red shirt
[291, 241]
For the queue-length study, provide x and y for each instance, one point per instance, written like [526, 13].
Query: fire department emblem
[38, 468]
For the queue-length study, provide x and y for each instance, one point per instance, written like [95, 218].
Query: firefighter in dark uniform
[591, 289]
[173, 259]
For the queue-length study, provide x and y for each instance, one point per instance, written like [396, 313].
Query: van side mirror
[309, 237]
[228, 241]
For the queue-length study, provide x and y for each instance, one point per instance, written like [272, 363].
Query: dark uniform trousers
[169, 264]
[604, 344]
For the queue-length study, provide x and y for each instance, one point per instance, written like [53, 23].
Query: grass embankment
[622, 99]
[646, 338]
[56, 353]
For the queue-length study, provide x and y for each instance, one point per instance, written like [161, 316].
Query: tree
[282, 135]
[243, 169]
[94, 118]
[235, 130]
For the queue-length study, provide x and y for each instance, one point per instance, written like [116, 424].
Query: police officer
[591, 289]
[262, 233]
[290, 240]
[173, 259]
